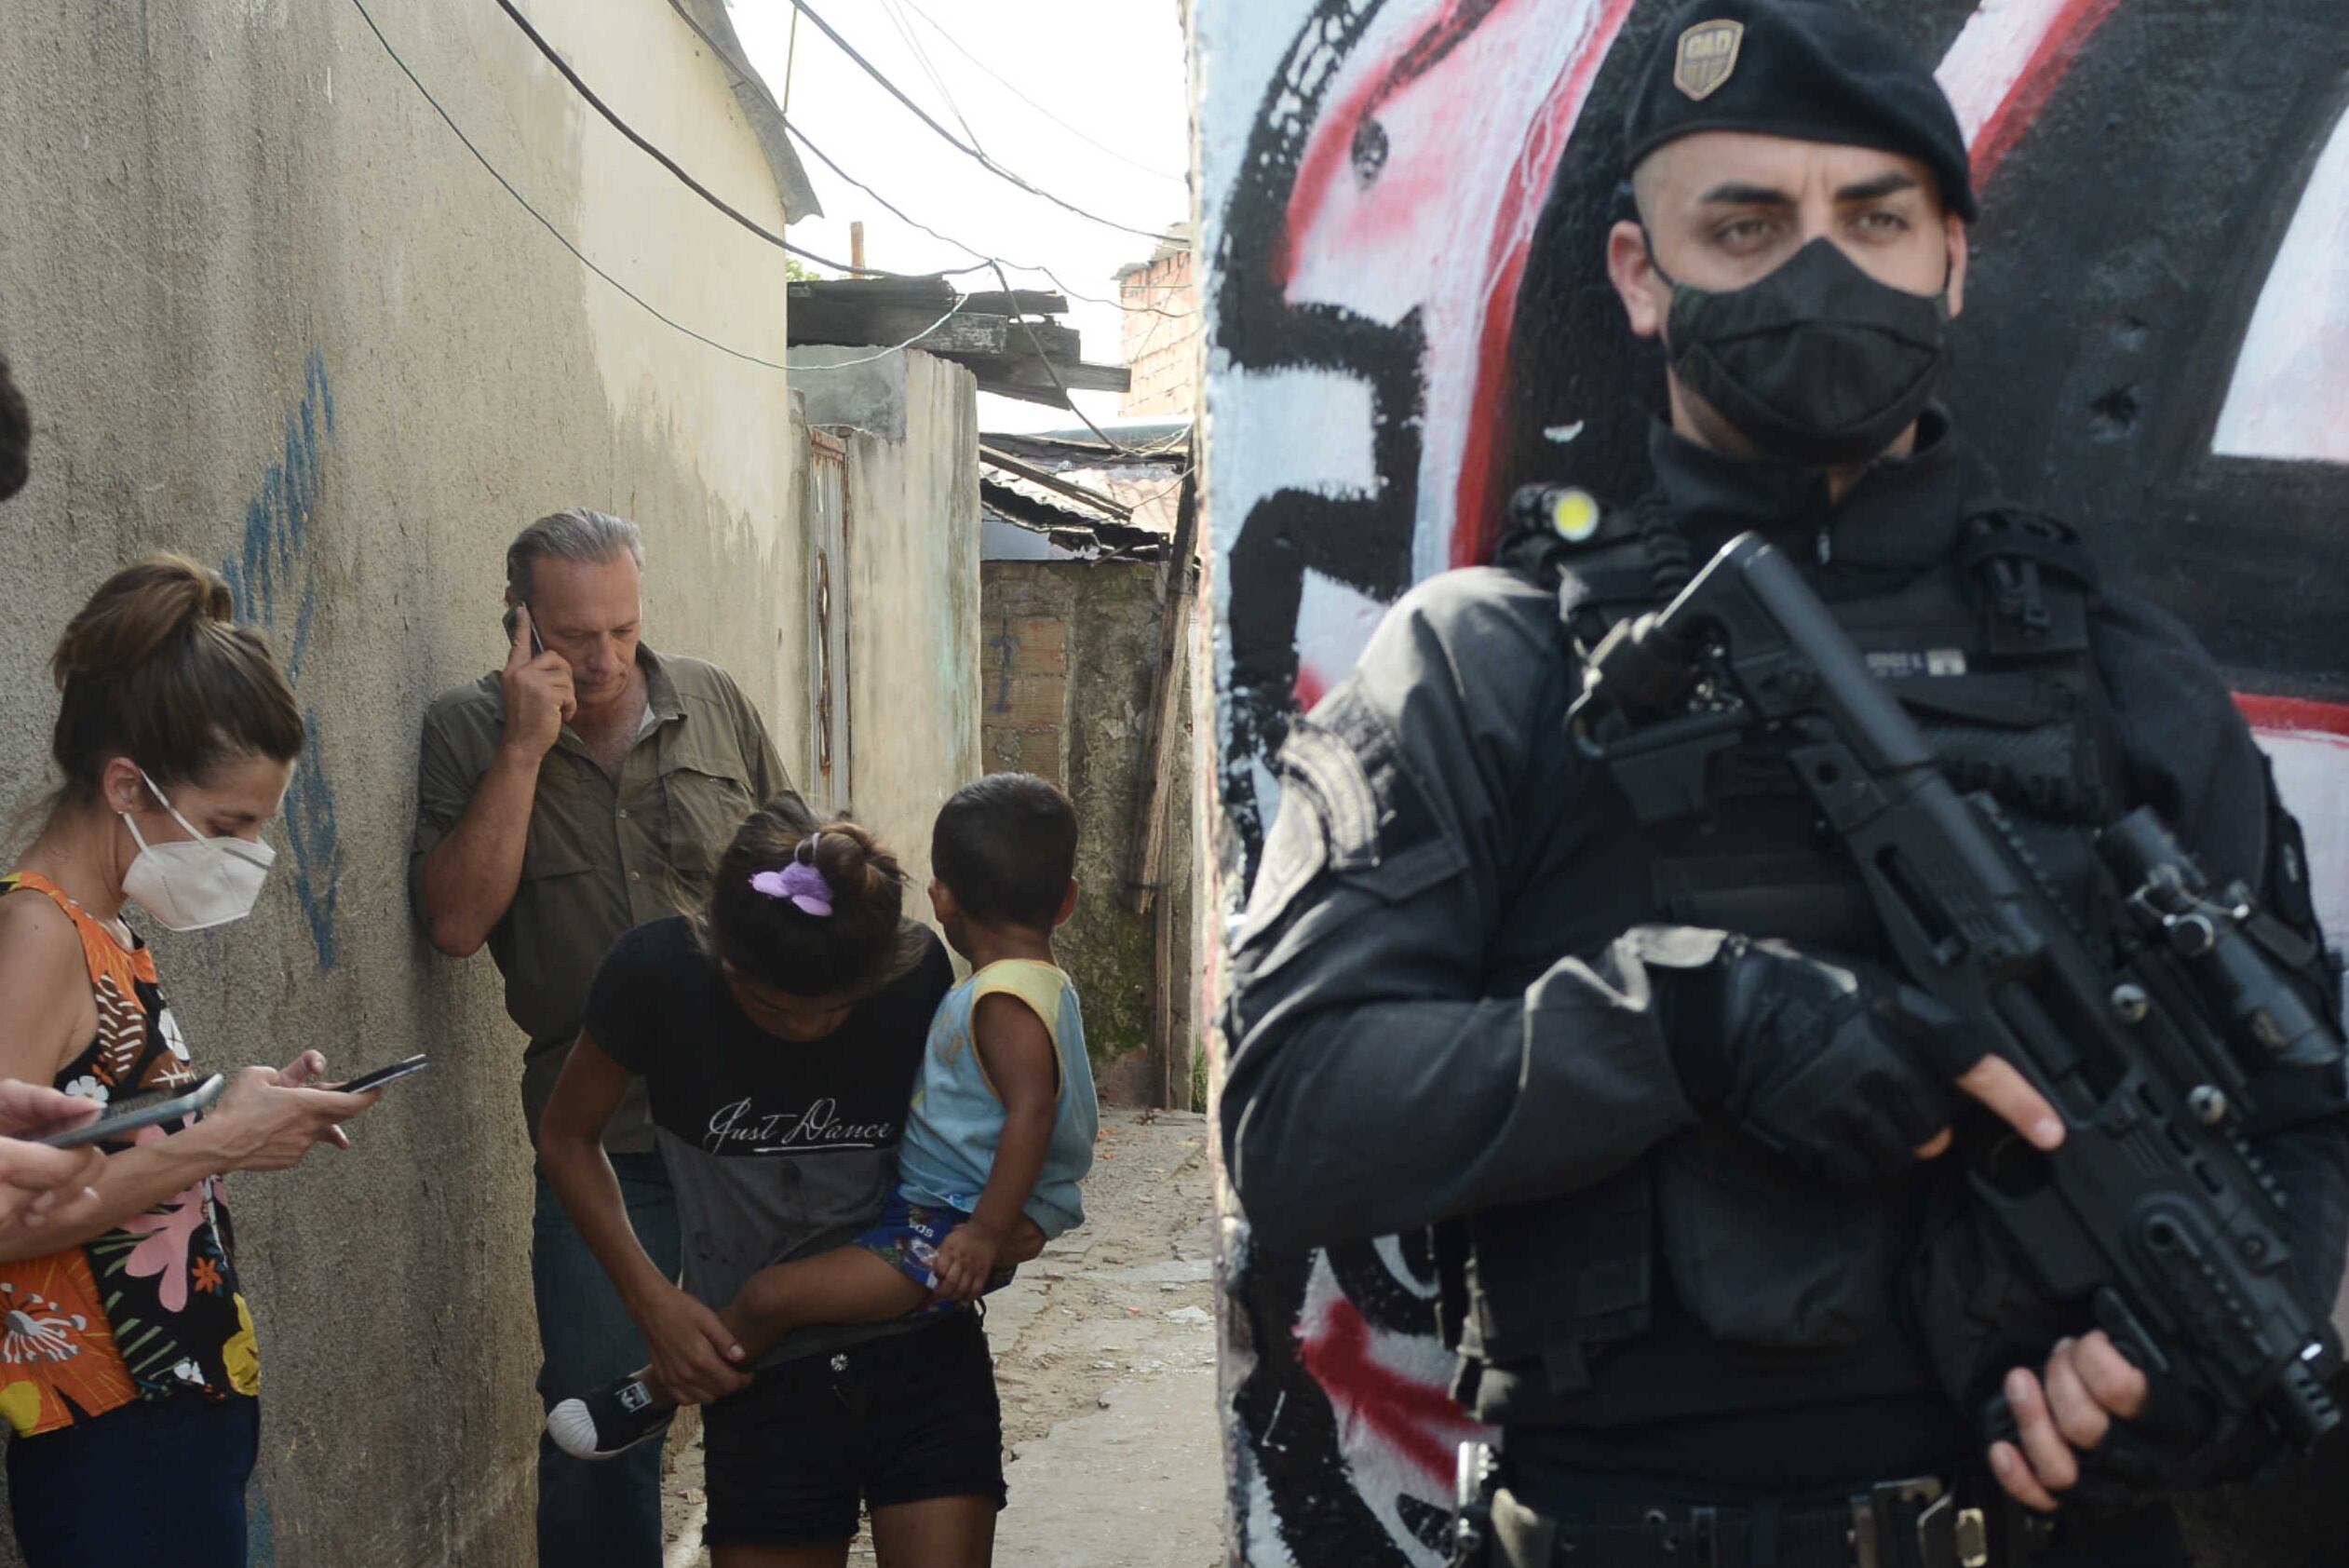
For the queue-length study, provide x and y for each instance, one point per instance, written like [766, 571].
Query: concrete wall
[268, 311]
[1069, 653]
[910, 424]
[1401, 214]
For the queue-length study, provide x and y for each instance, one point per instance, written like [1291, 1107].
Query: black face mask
[1817, 362]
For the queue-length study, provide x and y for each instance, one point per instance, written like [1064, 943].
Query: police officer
[1673, 1121]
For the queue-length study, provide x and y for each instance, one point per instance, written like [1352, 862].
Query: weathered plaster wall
[1069, 649]
[912, 602]
[268, 311]
[1407, 315]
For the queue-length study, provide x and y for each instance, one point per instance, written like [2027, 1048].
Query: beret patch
[1809, 70]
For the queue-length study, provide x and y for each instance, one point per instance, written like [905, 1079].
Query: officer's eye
[1884, 222]
[1743, 233]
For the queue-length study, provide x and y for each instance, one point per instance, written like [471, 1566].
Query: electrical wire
[744, 73]
[826, 160]
[1052, 371]
[564, 240]
[555, 59]
[956, 142]
[922, 58]
[1013, 88]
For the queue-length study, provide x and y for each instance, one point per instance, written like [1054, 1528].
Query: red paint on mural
[1416, 1420]
[1477, 516]
[2049, 63]
[2294, 714]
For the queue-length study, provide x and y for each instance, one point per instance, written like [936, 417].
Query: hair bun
[849, 859]
[138, 612]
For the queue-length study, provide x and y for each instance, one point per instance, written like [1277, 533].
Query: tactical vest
[1550, 1302]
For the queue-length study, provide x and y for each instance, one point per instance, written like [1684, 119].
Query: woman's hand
[696, 1357]
[304, 1071]
[40, 1186]
[29, 1111]
[263, 1122]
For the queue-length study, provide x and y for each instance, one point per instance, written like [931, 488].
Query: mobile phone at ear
[381, 1076]
[538, 643]
[115, 1127]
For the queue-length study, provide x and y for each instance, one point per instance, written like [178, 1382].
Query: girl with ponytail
[779, 1031]
[176, 735]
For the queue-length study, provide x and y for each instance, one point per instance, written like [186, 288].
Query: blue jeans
[606, 1513]
[161, 1480]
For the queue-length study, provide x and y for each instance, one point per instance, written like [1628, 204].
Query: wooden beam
[1019, 302]
[1146, 869]
[1075, 375]
[1145, 892]
[1053, 481]
[980, 337]
[936, 292]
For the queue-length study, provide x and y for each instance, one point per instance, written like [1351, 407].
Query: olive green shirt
[601, 858]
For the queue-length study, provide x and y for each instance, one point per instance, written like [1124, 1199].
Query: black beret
[1805, 69]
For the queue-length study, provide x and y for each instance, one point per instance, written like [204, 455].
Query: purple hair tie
[800, 883]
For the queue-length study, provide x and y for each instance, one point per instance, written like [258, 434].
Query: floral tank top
[150, 1310]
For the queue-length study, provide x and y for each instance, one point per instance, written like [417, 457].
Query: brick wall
[1067, 654]
[1161, 350]
[1023, 728]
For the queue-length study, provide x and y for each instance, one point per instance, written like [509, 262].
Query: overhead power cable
[744, 73]
[922, 58]
[1052, 371]
[826, 160]
[564, 240]
[613, 118]
[955, 141]
[1013, 88]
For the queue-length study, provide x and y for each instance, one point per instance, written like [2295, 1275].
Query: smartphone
[537, 644]
[115, 1127]
[381, 1076]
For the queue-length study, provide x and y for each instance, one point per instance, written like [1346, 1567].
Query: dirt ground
[1105, 1355]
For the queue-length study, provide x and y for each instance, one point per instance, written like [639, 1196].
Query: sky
[1087, 99]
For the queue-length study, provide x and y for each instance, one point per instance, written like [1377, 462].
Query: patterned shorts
[908, 1237]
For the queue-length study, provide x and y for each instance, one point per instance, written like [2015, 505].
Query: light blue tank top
[956, 1120]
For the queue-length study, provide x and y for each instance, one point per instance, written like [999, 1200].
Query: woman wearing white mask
[126, 1363]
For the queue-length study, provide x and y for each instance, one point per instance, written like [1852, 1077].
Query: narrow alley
[1105, 1356]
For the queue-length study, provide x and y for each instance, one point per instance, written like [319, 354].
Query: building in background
[1089, 605]
[1159, 340]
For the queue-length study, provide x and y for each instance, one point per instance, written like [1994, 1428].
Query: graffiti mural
[1402, 205]
[274, 582]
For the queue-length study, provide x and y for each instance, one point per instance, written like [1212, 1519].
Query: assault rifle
[2154, 1213]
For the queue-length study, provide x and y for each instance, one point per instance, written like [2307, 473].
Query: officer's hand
[2088, 1385]
[1842, 1070]
[1996, 1084]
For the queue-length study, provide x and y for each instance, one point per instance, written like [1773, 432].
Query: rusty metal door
[825, 779]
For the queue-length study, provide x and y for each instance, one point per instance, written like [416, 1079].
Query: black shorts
[899, 1419]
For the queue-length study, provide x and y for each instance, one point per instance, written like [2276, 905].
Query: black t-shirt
[776, 1147]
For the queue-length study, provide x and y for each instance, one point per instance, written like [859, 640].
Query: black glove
[1841, 1069]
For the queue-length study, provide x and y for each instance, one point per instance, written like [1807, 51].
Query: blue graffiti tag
[274, 575]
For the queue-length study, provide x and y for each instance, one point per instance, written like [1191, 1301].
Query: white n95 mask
[197, 883]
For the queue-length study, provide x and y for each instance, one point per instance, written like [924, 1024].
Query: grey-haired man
[585, 787]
